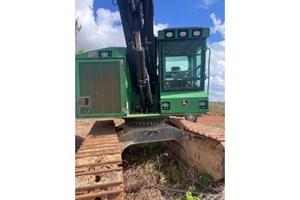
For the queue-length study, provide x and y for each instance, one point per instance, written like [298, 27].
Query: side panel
[181, 103]
[100, 88]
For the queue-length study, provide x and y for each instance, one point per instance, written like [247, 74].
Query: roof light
[196, 33]
[169, 34]
[183, 34]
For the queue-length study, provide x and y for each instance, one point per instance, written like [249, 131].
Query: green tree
[77, 27]
[77, 30]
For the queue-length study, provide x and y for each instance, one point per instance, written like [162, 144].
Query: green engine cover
[100, 87]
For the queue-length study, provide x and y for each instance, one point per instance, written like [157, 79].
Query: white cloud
[217, 71]
[217, 58]
[218, 26]
[159, 27]
[205, 3]
[103, 31]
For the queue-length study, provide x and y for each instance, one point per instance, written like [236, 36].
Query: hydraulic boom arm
[137, 21]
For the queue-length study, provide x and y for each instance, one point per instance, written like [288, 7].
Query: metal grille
[165, 106]
[203, 104]
[100, 81]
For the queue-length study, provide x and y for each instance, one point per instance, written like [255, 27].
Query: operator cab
[182, 67]
[181, 64]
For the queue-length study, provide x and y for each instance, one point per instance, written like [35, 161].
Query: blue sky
[178, 13]
[102, 27]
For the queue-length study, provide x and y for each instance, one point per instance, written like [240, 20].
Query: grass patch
[217, 107]
[152, 172]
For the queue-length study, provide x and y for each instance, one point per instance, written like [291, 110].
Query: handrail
[208, 69]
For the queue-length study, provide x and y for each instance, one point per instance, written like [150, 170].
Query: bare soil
[212, 119]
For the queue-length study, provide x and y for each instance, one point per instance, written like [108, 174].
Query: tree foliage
[77, 27]
[77, 30]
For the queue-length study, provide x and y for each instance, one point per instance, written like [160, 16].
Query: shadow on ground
[78, 142]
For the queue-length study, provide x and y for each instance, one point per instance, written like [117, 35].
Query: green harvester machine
[150, 84]
[107, 86]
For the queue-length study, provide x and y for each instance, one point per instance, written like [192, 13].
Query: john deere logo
[184, 102]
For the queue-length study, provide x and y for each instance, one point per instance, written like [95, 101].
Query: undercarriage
[99, 173]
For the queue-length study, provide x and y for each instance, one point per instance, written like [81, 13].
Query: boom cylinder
[137, 20]
[143, 79]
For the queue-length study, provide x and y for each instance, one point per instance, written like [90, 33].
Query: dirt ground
[211, 119]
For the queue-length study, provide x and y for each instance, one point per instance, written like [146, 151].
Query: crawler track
[99, 175]
[203, 146]
[213, 133]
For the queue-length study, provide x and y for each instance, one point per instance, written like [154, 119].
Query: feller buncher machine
[158, 86]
